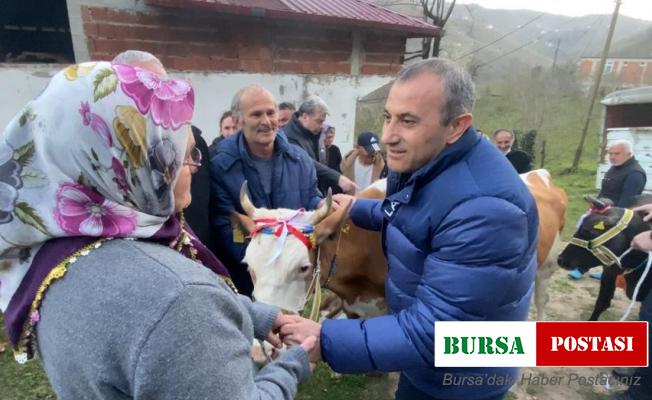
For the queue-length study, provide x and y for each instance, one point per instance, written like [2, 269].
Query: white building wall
[213, 93]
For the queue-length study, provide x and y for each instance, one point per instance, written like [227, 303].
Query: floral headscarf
[94, 156]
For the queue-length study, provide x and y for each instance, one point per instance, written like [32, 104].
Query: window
[35, 31]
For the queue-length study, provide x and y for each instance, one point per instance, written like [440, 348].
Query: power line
[590, 37]
[536, 39]
[500, 38]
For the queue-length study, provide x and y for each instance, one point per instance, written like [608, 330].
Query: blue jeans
[407, 391]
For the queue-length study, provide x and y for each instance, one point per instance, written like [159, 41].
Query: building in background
[337, 49]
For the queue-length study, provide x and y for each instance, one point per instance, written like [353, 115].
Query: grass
[560, 131]
[563, 286]
[21, 382]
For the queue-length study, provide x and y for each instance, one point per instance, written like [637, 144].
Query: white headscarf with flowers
[96, 154]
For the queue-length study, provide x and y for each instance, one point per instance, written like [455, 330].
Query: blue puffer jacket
[460, 239]
[294, 185]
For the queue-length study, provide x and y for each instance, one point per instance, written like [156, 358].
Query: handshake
[295, 330]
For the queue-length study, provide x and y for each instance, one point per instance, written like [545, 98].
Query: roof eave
[246, 11]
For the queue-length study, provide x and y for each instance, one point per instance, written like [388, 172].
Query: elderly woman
[97, 275]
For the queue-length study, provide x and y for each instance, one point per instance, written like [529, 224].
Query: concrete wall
[213, 93]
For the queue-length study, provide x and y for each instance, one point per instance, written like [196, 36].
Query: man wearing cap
[364, 164]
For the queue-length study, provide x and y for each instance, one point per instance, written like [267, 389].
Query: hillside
[472, 26]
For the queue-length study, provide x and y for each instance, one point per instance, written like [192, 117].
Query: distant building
[627, 70]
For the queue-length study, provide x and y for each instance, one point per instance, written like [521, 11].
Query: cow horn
[322, 212]
[595, 202]
[246, 204]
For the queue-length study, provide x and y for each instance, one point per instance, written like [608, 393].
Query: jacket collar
[298, 126]
[236, 149]
[627, 163]
[400, 187]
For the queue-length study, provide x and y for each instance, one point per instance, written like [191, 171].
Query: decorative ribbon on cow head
[305, 232]
[596, 246]
[281, 227]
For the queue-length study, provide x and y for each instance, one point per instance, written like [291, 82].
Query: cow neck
[629, 224]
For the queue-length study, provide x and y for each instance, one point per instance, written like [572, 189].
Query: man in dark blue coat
[278, 174]
[459, 231]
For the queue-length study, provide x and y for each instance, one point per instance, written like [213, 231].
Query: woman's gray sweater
[138, 320]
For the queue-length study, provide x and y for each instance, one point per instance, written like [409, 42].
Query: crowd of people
[127, 278]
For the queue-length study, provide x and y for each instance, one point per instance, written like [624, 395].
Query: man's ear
[246, 224]
[459, 125]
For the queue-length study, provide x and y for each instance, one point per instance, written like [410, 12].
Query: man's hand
[312, 347]
[647, 209]
[643, 241]
[299, 330]
[273, 335]
[347, 185]
[341, 200]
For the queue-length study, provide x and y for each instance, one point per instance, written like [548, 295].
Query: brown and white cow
[354, 267]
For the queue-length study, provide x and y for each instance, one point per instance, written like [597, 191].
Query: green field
[499, 107]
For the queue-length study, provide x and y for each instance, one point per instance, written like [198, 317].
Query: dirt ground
[569, 300]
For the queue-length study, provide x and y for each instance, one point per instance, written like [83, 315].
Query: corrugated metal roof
[640, 95]
[359, 13]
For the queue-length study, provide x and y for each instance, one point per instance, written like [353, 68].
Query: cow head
[603, 234]
[282, 252]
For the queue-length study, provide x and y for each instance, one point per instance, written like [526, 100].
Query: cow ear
[242, 222]
[595, 202]
[332, 224]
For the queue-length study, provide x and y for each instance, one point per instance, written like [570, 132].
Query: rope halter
[596, 246]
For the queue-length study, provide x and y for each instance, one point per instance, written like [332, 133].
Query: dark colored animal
[603, 236]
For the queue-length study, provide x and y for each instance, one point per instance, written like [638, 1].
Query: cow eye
[304, 268]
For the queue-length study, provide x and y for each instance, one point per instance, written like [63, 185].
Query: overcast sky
[641, 9]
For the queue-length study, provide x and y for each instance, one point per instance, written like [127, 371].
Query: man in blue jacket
[278, 175]
[459, 231]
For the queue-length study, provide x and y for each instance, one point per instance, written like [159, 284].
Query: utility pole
[554, 61]
[596, 86]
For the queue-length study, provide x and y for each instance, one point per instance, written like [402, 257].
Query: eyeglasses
[195, 158]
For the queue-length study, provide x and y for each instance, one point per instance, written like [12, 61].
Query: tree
[437, 13]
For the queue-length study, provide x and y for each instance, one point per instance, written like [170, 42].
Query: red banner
[592, 344]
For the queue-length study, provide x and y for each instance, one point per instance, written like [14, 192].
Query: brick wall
[383, 54]
[208, 41]
[631, 73]
[585, 68]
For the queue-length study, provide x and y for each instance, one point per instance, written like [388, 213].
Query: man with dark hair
[285, 111]
[303, 130]
[521, 160]
[278, 175]
[228, 127]
[459, 231]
